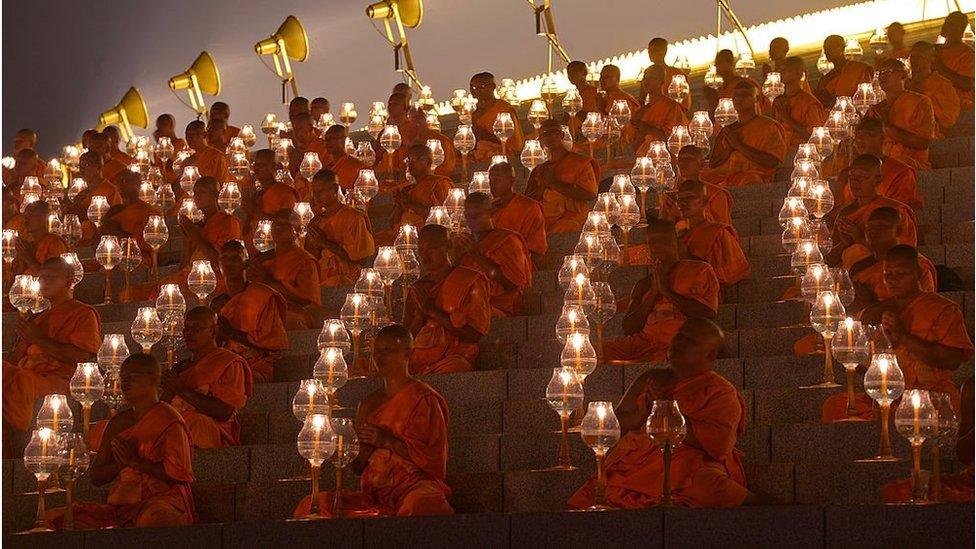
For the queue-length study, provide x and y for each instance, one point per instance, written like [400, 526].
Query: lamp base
[555, 468]
[600, 507]
[34, 530]
[824, 385]
[851, 420]
[879, 459]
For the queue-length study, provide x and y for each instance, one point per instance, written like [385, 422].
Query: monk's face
[129, 187]
[864, 181]
[790, 73]
[689, 165]
[432, 252]
[662, 245]
[35, 219]
[138, 382]
[89, 170]
[500, 179]
[724, 64]
[22, 141]
[389, 354]
[304, 131]
[283, 232]
[199, 331]
[297, 107]
[901, 277]
[264, 168]
[25, 165]
[652, 83]
[921, 60]
[778, 48]
[953, 28]
[691, 348]
[577, 76]
[325, 193]
[896, 35]
[54, 282]
[319, 108]
[233, 263]
[100, 144]
[335, 141]
[218, 112]
[833, 48]
[744, 100]
[483, 89]
[217, 136]
[690, 203]
[881, 234]
[656, 53]
[418, 162]
[205, 198]
[478, 217]
[892, 80]
[165, 127]
[867, 142]
[113, 136]
[609, 78]
[552, 140]
[397, 110]
[196, 137]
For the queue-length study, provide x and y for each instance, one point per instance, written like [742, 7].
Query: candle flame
[883, 365]
[916, 400]
[45, 433]
[601, 411]
[318, 421]
[849, 322]
[565, 376]
[828, 299]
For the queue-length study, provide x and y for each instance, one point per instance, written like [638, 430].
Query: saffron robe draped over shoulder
[259, 314]
[898, 182]
[485, 149]
[802, 107]
[350, 229]
[524, 216]
[843, 81]
[563, 214]
[762, 133]
[718, 245]
[945, 100]
[913, 113]
[298, 272]
[224, 375]
[507, 250]
[959, 59]
[430, 190]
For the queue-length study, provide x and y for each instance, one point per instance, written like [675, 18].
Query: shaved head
[437, 234]
[398, 334]
[203, 315]
[140, 363]
[885, 213]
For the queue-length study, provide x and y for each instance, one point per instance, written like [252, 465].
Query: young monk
[217, 135]
[718, 201]
[128, 220]
[486, 143]
[447, 310]
[714, 243]
[26, 163]
[940, 91]
[36, 243]
[146, 457]
[577, 72]
[289, 270]
[339, 235]
[843, 79]
[209, 388]
[896, 42]
[515, 211]
[111, 167]
[657, 51]
[418, 120]
[898, 180]
[402, 431]
[274, 195]
[90, 169]
[318, 107]
[48, 348]
[955, 58]
[499, 254]
[220, 110]
[612, 93]
[24, 138]
[797, 110]
[396, 107]
[706, 469]
[208, 160]
[115, 142]
[250, 315]
[908, 116]
[345, 166]
[304, 141]
[166, 127]
[675, 289]
[565, 184]
[725, 67]
[748, 151]
[659, 113]
[412, 203]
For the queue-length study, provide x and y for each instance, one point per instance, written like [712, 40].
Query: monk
[779, 48]
[166, 127]
[797, 110]
[339, 236]
[208, 160]
[500, 254]
[515, 211]
[49, 346]
[718, 201]
[112, 167]
[675, 290]
[725, 67]
[128, 220]
[402, 431]
[896, 43]
[397, 106]
[115, 141]
[955, 59]
[714, 243]
[250, 315]
[298, 105]
[706, 468]
[843, 79]
[289, 270]
[748, 151]
[908, 116]
[221, 111]
[849, 221]
[898, 180]
[90, 169]
[657, 52]
[273, 195]
[940, 91]
[411, 204]
[659, 114]
[36, 243]
[209, 388]
[318, 107]
[927, 331]
[26, 163]
[423, 134]
[489, 107]
[612, 94]
[217, 134]
[577, 72]
[305, 141]
[147, 458]
[345, 166]
[447, 310]
[403, 89]
[565, 184]
[24, 138]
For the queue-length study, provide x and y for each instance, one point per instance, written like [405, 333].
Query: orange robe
[256, 321]
[105, 188]
[485, 149]
[112, 169]
[169, 175]
[524, 216]
[394, 485]
[669, 74]
[859, 215]
[590, 96]
[298, 272]
[563, 214]
[302, 185]
[662, 113]
[463, 295]
[612, 96]
[132, 220]
[913, 113]
[430, 190]
[898, 182]
[136, 498]
[506, 249]
[221, 374]
[350, 229]
[761, 133]
[718, 245]
[450, 154]
[213, 163]
[346, 168]
[691, 279]
[802, 107]
[37, 374]
[718, 206]
[50, 245]
[728, 87]
[944, 98]
[865, 269]
[959, 59]
[275, 198]
[843, 81]
[708, 474]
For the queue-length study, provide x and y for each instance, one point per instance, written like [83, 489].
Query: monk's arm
[631, 411]
[758, 156]
[365, 450]
[104, 468]
[636, 316]
[492, 270]
[207, 405]
[643, 129]
[63, 352]
[465, 333]
[909, 138]
[572, 191]
[934, 353]
[959, 81]
[691, 308]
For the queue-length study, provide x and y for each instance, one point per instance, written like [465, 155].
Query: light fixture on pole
[130, 111]
[546, 26]
[403, 13]
[201, 78]
[289, 42]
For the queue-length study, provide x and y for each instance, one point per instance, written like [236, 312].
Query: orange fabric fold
[563, 214]
[718, 245]
[507, 250]
[484, 149]
[898, 182]
[350, 229]
[843, 81]
[913, 113]
[430, 190]
[298, 272]
[346, 168]
[802, 107]
[761, 133]
[524, 216]
[221, 374]
[259, 314]
[959, 59]
[945, 100]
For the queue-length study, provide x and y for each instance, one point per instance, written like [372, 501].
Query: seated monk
[403, 89]
[718, 201]
[489, 107]
[24, 138]
[898, 180]
[221, 110]
[90, 169]
[714, 243]
[304, 141]
[273, 196]
[166, 127]
[955, 59]
[147, 458]
[35, 243]
[659, 114]
[339, 235]
[657, 52]
[26, 163]
[565, 184]
[48, 348]
[674, 290]
[612, 94]
[318, 107]
[289, 270]
[927, 331]
[402, 431]
[411, 204]
[115, 142]
[779, 49]
[940, 91]
[576, 73]
[210, 162]
[706, 469]
[499, 254]
[209, 388]
[217, 134]
[797, 110]
[748, 151]
[128, 220]
[895, 32]
[423, 134]
[396, 107]
[447, 310]
[843, 79]
[250, 315]
[725, 67]
[112, 166]
[515, 211]
[908, 117]
[345, 166]
[849, 221]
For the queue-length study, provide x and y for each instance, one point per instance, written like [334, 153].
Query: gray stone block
[754, 444]
[276, 461]
[44, 540]
[839, 483]
[769, 342]
[346, 533]
[543, 490]
[588, 529]
[497, 356]
[522, 451]
[766, 290]
[476, 492]
[768, 315]
[777, 526]
[215, 502]
[224, 465]
[771, 482]
[784, 371]
[268, 396]
[790, 405]
[447, 531]
[810, 442]
[917, 526]
[197, 535]
[473, 453]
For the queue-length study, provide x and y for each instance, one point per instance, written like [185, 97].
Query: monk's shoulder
[166, 412]
[895, 166]
[693, 268]
[422, 389]
[80, 311]
[466, 275]
[934, 302]
[718, 385]
[226, 357]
